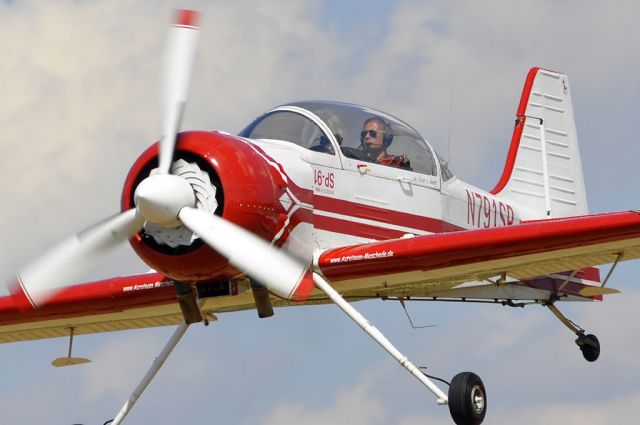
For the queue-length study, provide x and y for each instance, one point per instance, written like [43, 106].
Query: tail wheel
[590, 347]
[467, 399]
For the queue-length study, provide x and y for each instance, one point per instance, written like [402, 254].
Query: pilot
[375, 139]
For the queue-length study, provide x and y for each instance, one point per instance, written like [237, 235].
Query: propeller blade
[277, 270]
[183, 37]
[74, 256]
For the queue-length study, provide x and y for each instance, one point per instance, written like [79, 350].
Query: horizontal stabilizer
[592, 291]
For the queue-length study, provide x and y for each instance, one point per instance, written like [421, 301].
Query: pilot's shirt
[399, 161]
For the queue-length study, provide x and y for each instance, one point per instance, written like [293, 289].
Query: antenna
[449, 159]
[401, 299]
[69, 361]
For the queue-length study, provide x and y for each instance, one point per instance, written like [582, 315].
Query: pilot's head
[376, 134]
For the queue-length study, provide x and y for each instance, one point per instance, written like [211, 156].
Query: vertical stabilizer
[543, 169]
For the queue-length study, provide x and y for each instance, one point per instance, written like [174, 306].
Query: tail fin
[543, 169]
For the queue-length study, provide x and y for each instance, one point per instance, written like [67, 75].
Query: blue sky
[80, 101]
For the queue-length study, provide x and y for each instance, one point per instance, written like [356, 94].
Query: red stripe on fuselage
[303, 194]
[357, 211]
[301, 215]
[383, 215]
[347, 227]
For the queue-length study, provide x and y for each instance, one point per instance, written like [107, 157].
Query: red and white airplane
[318, 202]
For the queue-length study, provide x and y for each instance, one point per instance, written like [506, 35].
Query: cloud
[122, 365]
[600, 412]
[72, 122]
[465, 62]
[532, 369]
[354, 405]
[84, 99]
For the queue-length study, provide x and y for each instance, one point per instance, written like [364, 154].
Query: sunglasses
[373, 133]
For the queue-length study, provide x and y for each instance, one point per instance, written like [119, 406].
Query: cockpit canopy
[324, 127]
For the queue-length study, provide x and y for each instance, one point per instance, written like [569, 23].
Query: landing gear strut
[588, 344]
[467, 397]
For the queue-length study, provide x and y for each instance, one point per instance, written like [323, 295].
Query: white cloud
[531, 367]
[72, 122]
[477, 55]
[121, 365]
[84, 98]
[354, 405]
[612, 410]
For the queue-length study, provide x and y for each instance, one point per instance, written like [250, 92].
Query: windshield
[402, 145]
[361, 133]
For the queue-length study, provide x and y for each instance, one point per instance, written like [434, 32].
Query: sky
[80, 101]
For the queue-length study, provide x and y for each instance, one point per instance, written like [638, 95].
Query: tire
[467, 399]
[590, 347]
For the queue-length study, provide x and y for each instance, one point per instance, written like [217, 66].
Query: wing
[428, 265]
[423, 265]
[115, 304]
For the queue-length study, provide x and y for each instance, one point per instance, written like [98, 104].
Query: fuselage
[338, 199]
[300, 177]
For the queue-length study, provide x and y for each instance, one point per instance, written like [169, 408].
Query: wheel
[467, 399]
[590, 347]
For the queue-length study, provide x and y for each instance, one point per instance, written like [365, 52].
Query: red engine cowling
[247, 193]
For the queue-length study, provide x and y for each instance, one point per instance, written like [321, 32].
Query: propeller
[183, 38]
[75, 256]
[279, 272]
[165, 200]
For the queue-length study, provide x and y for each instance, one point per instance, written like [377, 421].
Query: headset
[387, 137]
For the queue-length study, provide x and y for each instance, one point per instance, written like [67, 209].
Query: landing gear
[589, 344]
[188, 303]
[262, 299]
[153, 370]
[467, 399]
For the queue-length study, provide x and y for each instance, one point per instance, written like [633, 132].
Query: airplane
[320, 202]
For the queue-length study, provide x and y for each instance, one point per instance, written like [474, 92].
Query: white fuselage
[352, 201]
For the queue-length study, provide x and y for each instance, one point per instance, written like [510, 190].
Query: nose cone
[160, 197]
